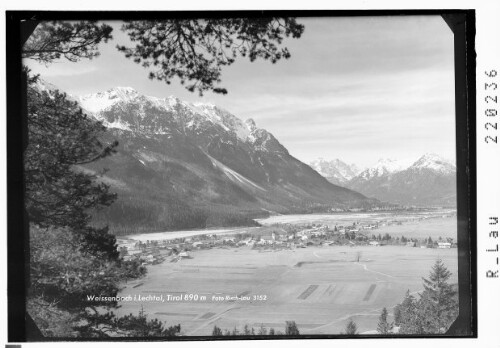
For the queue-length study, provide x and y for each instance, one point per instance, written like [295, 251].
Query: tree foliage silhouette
[52, 40]
[351, 328]
[439, 299]
[436, 308]
[58, 194]
[192, 50]
[384, 327]
[291, 329]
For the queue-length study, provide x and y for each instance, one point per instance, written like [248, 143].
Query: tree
[271, 332]
[140, 326]
[409, 317]
[291, 329]
[436, 309]
[438, 300]
[246, 330]
[216, 331]
[397, 314]
[62, 275]
[384, 327]
[262, 330]
[192, 50]
[71, 40]
[351, 328]
[358, 256]
[59, 194]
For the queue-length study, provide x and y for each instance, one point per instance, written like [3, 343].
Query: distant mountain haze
[182, 165]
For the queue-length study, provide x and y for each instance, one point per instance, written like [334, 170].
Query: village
[278, 236]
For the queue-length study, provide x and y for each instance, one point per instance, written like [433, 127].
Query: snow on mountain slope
[194, 115]
[99, 101]
[336, 171]
[384, 166]
[430, 180]
[434, 162]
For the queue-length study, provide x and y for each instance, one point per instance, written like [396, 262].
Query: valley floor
[320, 288]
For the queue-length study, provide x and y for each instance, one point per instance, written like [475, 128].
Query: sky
[355, 88]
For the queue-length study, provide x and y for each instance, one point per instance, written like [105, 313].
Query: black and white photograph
[256, 175]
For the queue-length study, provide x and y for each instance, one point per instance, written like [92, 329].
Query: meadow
[320, 288]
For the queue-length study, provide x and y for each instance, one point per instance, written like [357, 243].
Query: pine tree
[262, 330]
[409, 323]
[351, 328]
[291, 329]
[246, 330]
[438, 301]
[58, 193]
[384, 327]
[397, 314]
[216, 331]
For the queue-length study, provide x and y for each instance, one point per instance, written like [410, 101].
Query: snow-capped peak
[335, 170]
[385, 166]
[195, 114]
[100, 101]
[434, 162]
[391, 165]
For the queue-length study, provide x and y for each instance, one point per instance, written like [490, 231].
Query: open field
[318, 287]
[434, 228]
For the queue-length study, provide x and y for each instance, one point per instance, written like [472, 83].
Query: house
[198, 244]
[229, 241]
[444, 245]
[267, 239]
[374, 243]
[411, 244]
[184, 255]
[318, 233]
[147, 258]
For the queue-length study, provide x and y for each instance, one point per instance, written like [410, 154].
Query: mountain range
[335, 171]
[427, 181]
[182, 165]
